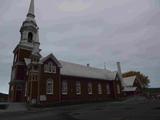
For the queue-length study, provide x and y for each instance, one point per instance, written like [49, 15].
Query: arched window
[30, 37]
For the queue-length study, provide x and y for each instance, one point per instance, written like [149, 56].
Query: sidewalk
[14, 107]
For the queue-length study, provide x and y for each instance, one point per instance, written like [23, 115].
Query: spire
[29, 26]
[31, 9]
[31, 16]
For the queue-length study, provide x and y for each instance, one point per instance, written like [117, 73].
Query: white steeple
[29, 28]
[31, 10]
[31, 14]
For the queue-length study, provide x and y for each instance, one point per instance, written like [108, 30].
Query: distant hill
[153, 90]
[3, 94]
[3, 97]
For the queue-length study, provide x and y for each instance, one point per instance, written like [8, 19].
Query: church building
[47, 80]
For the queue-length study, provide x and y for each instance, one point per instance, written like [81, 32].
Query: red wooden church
[44, 80]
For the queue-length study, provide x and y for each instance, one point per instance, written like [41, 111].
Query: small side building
[132, 86]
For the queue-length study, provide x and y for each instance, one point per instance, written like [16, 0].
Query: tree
[144, 79]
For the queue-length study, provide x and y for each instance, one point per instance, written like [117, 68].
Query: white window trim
[47, 89]
[64, 87]
[78, 88]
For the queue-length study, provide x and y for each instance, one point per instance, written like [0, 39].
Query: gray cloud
[88, 31]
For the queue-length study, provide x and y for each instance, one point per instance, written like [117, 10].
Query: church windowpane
[64, 87]
[49, 88]
[78, 88]
[30, 37]
[49, 68]
[108, 89]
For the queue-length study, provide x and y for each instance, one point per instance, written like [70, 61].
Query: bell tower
[29, 29]
[27, 47]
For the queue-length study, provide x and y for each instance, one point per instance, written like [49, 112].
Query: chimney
[120, 73]
[88, 65]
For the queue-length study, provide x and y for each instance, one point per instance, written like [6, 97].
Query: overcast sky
[87, 31]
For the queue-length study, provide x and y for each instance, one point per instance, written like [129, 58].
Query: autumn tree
[144, 79]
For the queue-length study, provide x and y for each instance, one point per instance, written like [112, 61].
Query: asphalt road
[136, 108]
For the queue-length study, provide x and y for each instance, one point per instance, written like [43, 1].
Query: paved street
[136, 108]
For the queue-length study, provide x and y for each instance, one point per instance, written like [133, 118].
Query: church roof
[77, 70]
[72, 69]
[129, 81]
[53, 58]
